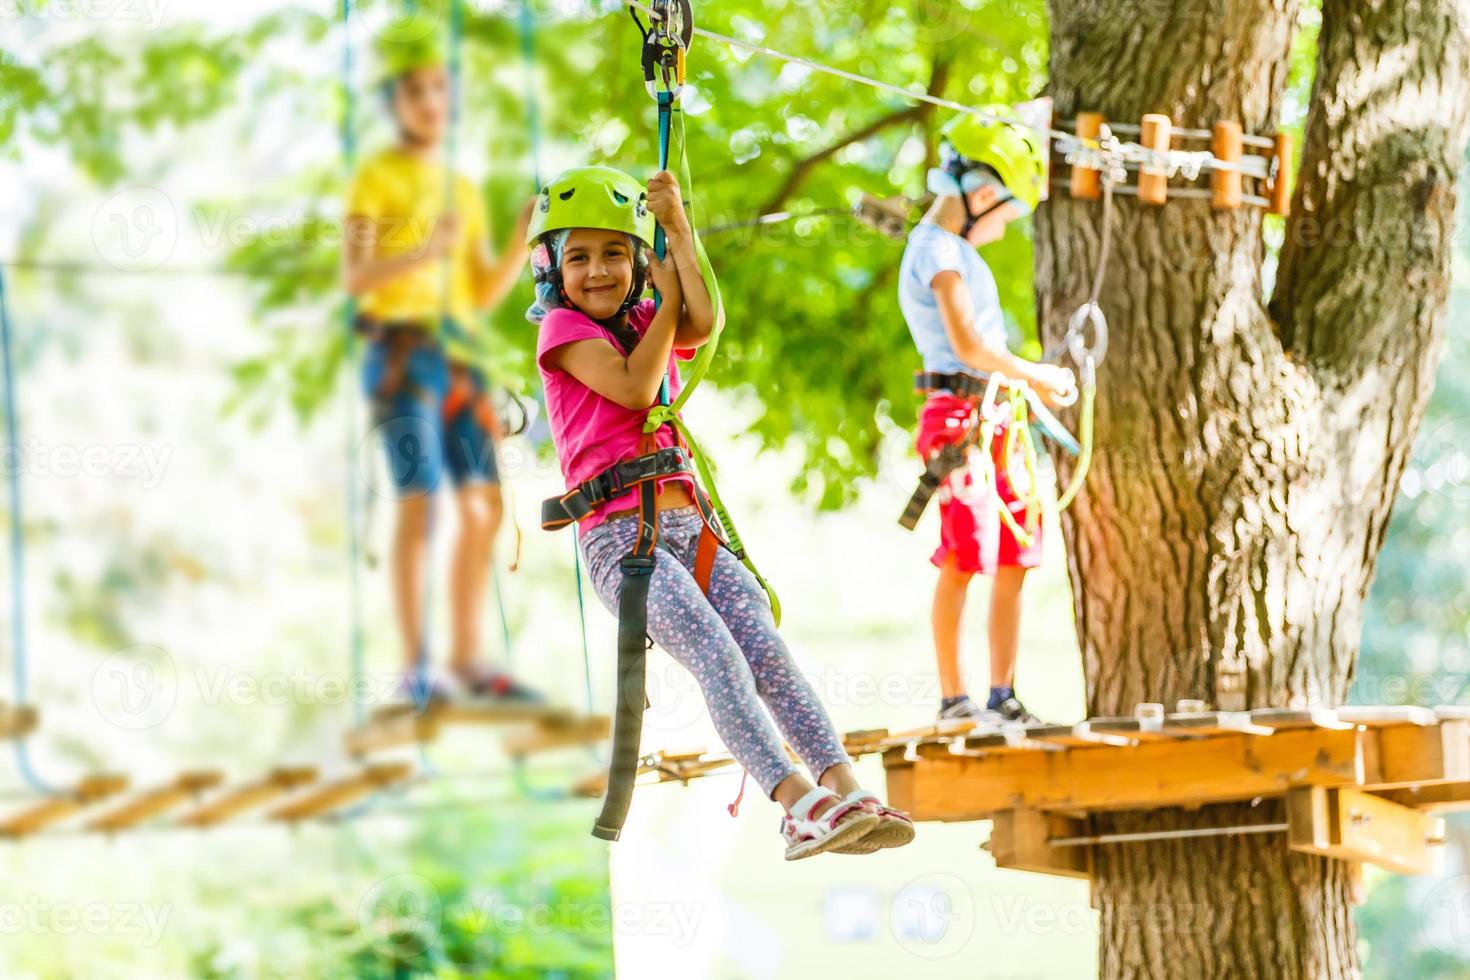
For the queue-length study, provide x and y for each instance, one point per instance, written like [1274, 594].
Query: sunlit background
[170, 176]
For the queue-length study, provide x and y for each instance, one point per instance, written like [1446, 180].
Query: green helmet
[593, 197]
[410, 43]
[1013, 152]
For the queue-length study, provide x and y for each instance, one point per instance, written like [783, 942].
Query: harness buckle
[637, 565]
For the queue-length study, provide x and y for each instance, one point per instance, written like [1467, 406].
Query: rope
[1173, 160]
[532, 96]
[348, 135]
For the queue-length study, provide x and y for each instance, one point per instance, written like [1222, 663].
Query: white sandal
[844, 823]
[895, 828]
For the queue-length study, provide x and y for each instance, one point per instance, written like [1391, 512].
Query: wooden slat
[1153, 182]
[1075, 736]
[1018, 840]
[1225, 185]
[233, 802]
[389, 731]
[1435, 797]
[1204, 724]
[1343, 822]
[546, 737]
[89, 792]
[1282, 719]
[1387, 717]
[1166, 773]
[1411, 755]
[1133, 729]
[156, 801]
[342, 792]
[17, 720]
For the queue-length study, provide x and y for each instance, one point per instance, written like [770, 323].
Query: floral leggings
[728, 641]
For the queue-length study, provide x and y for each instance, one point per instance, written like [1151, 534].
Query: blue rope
[533, 101]
[350, 356]
[660, 240]
[17, 544]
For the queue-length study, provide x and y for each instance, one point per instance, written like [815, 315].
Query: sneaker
[967, 710]
[1013, 712]
[481, 681]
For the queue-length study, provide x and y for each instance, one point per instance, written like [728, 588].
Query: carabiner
[666, 41]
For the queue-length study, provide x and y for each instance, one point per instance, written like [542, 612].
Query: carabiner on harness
[666, 41]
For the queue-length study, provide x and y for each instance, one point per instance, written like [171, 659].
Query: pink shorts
[970, 526]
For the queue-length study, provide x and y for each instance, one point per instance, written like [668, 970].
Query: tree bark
[1247, 457]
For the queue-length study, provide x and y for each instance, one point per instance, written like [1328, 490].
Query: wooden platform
[407, 724]
[1360, 783]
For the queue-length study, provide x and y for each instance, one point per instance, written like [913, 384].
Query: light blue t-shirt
[931, 250]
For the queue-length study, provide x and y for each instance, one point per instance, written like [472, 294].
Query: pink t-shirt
[591, 432]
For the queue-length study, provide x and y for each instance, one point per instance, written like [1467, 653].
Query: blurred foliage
[812, 302]
[509, 892]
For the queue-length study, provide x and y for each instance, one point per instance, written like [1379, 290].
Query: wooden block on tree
[235, 801]
[1278, 187]
[1226, 185]
[156, 801]
[1346, 823]
[1153, 181]
[1019, 841]
[1087, 184]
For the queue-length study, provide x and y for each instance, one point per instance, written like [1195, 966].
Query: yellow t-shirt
[404, 196]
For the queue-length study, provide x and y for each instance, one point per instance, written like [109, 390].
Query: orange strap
[704, 559]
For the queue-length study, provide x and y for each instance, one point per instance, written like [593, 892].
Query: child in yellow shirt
[418, 262]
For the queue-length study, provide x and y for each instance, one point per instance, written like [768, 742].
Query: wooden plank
[17, 720]
[591, 787]
[1346, 823]
[1074, 736]
[234, 802]
[1283, 719]
[1434, 797]
[500, 713]
[1410, 755]
[156, 801]
[334, 795]
[1012, 738]
[1133, 729]
[1205, 724]
[864, 741]
[1374, 716]
[1018, 840]
[1167, 773]
[89, 792]
[928, 733]
[547, 737]
[391, 730]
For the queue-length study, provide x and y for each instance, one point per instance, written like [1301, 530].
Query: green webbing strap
[669, 414]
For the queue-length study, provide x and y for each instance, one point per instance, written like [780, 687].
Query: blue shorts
[438, 418]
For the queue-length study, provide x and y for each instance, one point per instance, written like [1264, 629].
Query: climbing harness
[664, 56]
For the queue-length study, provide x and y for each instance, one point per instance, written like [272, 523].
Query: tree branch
[938, 77]
[1365, 270]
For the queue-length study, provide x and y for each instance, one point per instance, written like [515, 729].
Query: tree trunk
[1247, 457]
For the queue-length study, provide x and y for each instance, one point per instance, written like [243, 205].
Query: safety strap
[936, 471]
[637, 567]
